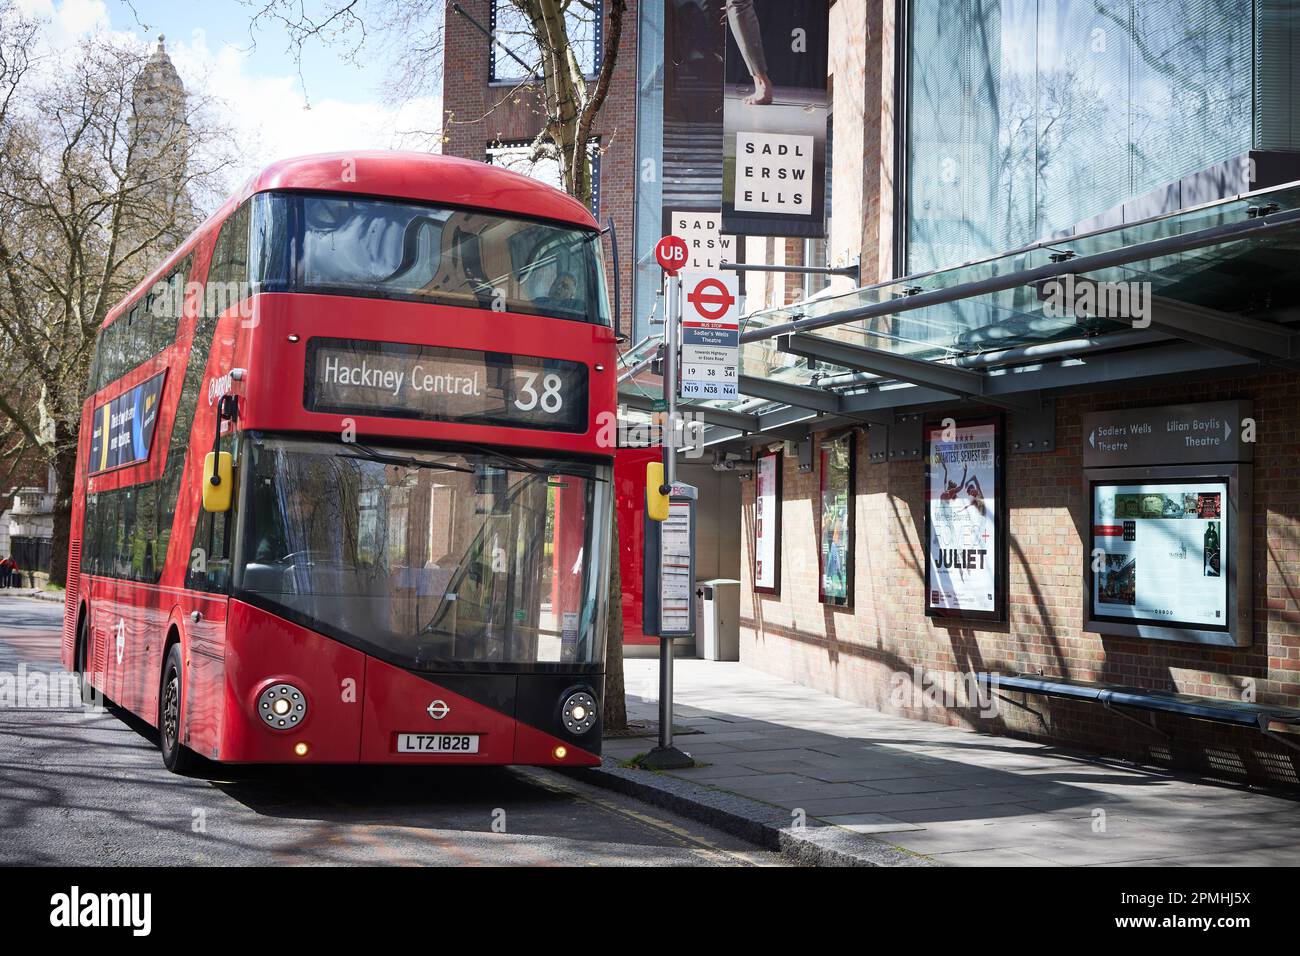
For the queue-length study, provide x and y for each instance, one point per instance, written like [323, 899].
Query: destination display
[435, 383]
[122, 433]
[963, 534]
[1161, 552]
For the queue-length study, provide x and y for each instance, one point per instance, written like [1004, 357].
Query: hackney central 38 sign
[395, 380]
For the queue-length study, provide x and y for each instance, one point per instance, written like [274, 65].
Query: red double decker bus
[341, 492]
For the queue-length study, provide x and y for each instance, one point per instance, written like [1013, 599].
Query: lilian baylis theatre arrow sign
[710, 335]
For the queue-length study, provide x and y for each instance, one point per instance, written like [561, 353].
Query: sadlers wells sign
[394, 380]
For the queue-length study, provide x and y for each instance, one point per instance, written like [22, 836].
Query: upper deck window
[464, 258]
[513, 53]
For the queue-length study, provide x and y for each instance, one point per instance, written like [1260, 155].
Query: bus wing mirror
[656, 502]
[218, 481]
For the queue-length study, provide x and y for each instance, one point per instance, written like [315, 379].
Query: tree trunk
[65, 470]
[615, 708]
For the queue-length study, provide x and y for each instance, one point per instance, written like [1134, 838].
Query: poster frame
[850, 552]
[1236, 549]
[1000, 516]
[776, 551]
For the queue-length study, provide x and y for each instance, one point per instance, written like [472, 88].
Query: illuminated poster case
[767, 523]
[965, 520]
[838, 528]
[1168, 555]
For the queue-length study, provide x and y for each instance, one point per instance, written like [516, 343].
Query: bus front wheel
[81, 658]
[176, 756]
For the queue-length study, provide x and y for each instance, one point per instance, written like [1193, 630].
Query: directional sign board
[1168, 435]
[710, 335]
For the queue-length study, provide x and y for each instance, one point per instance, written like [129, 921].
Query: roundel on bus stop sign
[711, 299]
[672, 253]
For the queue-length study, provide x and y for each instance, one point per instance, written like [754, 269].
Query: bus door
[204, 607]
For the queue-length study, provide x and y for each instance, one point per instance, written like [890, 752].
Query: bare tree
[548, 40]
[92, 197]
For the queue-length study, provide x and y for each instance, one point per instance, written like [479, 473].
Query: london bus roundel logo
[711, 299]
[438, 709]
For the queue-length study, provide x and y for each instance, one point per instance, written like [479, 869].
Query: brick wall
[855, 653]
[477, 113]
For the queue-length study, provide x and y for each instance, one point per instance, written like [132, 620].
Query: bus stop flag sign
[672, 254]
[710, 335]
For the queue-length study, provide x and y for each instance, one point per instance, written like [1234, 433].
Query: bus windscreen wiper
[384, 458]
[520, 464]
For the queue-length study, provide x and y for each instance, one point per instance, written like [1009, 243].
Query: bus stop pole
[665, 756]
[671, 327]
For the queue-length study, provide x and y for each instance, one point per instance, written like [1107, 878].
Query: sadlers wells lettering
[773, 173]
[336, 372]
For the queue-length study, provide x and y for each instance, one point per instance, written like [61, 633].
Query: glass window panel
[1028, 119]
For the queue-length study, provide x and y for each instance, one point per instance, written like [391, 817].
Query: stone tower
[159, 132]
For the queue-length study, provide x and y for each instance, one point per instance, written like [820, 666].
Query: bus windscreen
[394, 249]
[430, 559]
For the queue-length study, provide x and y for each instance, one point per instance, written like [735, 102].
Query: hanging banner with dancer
[965, 529]
[774, 118]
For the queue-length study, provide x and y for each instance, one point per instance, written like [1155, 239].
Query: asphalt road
[90, 789]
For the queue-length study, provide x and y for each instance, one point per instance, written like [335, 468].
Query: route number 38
[549, 399]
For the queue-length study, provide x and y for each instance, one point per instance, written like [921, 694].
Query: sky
[335, 105]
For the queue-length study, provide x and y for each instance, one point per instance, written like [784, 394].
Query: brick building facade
[884, 652]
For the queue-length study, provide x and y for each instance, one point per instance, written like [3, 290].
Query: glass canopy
[1243, 258]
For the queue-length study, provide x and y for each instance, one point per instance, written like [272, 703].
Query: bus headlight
[282, 706]
[579, 712]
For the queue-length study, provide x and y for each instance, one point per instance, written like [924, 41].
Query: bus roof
[423, 177]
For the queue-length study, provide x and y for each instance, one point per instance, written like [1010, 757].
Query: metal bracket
[905, 437]
[1034, 430]
[1148, 724]
[1023, 706]
[1284, 739]
[877, 443]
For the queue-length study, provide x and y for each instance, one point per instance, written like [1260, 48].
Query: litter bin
[718, 634]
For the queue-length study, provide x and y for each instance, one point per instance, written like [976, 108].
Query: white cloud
[265, 114]
[269, 117]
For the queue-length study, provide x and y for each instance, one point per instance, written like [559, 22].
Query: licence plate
[437, 743]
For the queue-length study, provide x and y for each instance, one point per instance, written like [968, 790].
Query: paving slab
[911, 791]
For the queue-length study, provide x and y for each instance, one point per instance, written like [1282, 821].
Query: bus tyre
[176, 756]
[81, 660]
